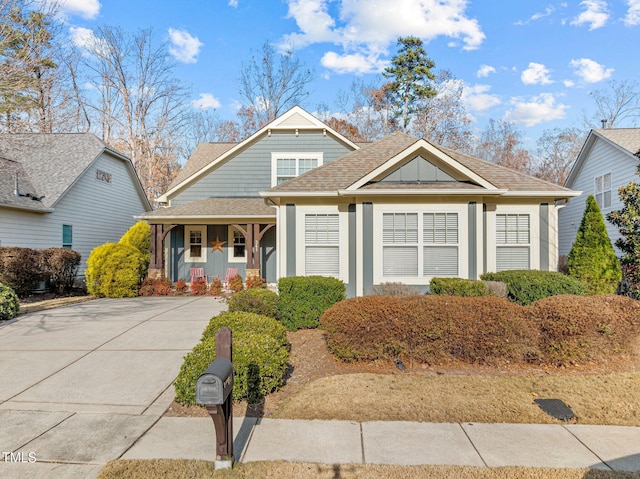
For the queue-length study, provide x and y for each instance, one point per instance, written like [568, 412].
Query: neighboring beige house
[296, 198]
[65, 190]
[606, 162]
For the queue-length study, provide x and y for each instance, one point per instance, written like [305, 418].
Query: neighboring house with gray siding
[606, 162]
[65, 190]
[297, 199]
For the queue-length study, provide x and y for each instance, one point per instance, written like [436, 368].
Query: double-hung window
[195, 244]
[419, 245]
[513, 241]
[602, 189]
[322, 244]
[289, 165]
[237, 246]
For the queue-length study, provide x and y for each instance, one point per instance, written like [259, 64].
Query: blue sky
[530, 62]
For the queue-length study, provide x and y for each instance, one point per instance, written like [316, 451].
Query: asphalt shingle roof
[627, 138]
[345, 171]
[215, 207]
[48, 163]
[204, 154]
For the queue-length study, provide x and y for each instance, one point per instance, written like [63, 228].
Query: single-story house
[297, 198]
[606, 162]
[65, 190]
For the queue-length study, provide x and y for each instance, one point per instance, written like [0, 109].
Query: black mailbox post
[213, 390]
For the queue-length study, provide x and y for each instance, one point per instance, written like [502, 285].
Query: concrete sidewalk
[399, 443]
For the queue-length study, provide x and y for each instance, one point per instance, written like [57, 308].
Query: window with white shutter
[440, 237]
[513, 241]
[322, 244]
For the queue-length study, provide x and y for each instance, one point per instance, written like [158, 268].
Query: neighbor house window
[513, 237]
[67, 236]
[195, 244]
[321, 242]
[285, 166]
[603, 191]
[419, 245]
[237, 246]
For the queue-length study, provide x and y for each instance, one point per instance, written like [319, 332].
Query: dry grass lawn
[283, 470]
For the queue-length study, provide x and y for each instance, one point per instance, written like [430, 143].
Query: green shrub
[113, 270]
[303, 299]
[392, 289]
[20, 269]
[579, 329]
[458, 287]
[9, 303]
[260, 301]
[259, 361]
[526, 286]
[139, 236]
[60, 266]
[430, 329]
[244, 321]
[592, 259]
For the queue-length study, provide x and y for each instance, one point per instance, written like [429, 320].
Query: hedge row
[558, 330]
[260, 357]
[23, 269]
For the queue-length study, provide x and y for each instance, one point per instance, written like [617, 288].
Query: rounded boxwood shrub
[260, 301]
[458, 287]
[113, 271]
[259, 362]
[243, 321]
[526, 286]
[303, 299]
[9, 303]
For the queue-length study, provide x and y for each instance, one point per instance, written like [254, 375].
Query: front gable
[419, 164]
[251, 166]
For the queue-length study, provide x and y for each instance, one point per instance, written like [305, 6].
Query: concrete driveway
[80, 384]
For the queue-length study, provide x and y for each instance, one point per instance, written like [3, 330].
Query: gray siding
[99, 212]
[367, 247]
[602, 159]
[250, 171]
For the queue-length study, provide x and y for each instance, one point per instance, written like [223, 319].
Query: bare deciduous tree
[617, 106]
[500, 143]
[556, 151]
[141, 108]
[272, 83]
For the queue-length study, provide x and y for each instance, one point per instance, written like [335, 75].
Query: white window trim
[187, 244]
[514, 245]
[290, 154]
[534, 233]
[421, 279]
[601, 204]
[343, 245]
[230, 257]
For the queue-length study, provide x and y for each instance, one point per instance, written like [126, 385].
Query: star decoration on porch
[217, 244]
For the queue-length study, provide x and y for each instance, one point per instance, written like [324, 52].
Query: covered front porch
[218, 235]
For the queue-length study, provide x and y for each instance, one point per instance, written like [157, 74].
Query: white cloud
[85, 39]
[366, 28]
[233, 3]
[590, 71]
[477, 98]
[541, 108]
[351, 63]
[633, 14]
[569, 83]
[537, 16]
[184, 47]
[536, 74]
[485, 71]
[88, 9]
[206, 100]
[596, 14]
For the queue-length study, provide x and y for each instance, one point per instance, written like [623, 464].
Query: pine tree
[411, 78]
[592, 258]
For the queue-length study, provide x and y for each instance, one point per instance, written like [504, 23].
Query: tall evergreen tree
[411, 78]
[592, 258]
